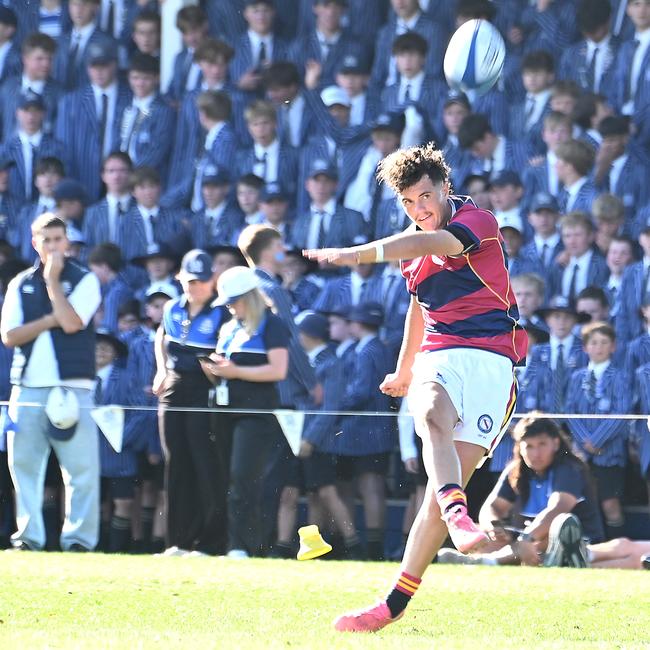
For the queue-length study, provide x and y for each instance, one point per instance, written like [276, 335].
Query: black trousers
[255, 440]
[196, 471]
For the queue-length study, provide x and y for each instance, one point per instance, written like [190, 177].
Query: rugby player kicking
[461, 341]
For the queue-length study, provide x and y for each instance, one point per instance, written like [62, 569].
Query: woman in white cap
[251, 357]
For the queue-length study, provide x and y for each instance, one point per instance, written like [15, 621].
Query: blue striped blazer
[308, 126]
[152, 136]
[516, 158]
[532, 136]
[10, 92]
[538, 384]
[29, 17]
[114, 294]
[574, 66]
[287, 166]
[226, 19]
[364, 435]
[9, 210]
[391, 219]
[347, 228]
[243, 59]
[321, 430]
[611, 396]
[13, 63]
[337, 293]
[637, 354]
[300, 379]
[13, 150]
[21, 236]
[529, 251]
[430, 31]
[141, 369]
[640, 434]
[552, 29]
[181, 184]
[205, 235]
[117, 390]
[96, 226]
[587, 194]
[307, 47]
[597, 275]
[78, 127]
[622, 72]
[176, 90]
[628, 322]
[78, 77]
[535, 179]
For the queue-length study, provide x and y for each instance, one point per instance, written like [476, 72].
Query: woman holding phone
[251, 357]
[196, 458]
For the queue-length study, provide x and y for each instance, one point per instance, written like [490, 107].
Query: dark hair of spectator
[38, 41]
[475, 9]
[594, 293]
[49, 165]
[577, 219]
[47, 220]
[281, 74]
[473, 129]
[608, 208]
[580, 155]
[476, 178]
[129, 308]
[410, 42]
[538, 61]
[586, 108]
[147, 16]
[213, 50]
[597, 327]
[145, 176]
[568, 88]
[520, 474]
[190, 18]
[8, 270]
[591, 15]
[145, 64]
[215, 105]
[254, 240]
[614, 126]
[405, 167]
[118, 155]
[624, 239]
[106, 253]
[251, 180]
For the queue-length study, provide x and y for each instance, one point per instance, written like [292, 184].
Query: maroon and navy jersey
[467, 300]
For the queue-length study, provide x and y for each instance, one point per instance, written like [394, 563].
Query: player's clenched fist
[396, 385]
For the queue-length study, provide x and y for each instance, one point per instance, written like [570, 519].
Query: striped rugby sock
[402, 592]
[450, 497]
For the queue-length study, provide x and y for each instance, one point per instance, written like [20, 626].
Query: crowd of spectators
[266, 142]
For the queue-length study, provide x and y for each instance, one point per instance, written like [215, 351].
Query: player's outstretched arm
[403, 246]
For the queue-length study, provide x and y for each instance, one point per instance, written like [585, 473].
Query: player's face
[599, 348]
[619, 255]
[539, 452]
[425, 203]
[544, 222]
[639, 13]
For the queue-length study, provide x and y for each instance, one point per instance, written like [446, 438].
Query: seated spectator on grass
[544, 482]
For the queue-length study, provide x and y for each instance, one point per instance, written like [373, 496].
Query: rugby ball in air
[475, 56]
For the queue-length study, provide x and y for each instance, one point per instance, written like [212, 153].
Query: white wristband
[379, 253]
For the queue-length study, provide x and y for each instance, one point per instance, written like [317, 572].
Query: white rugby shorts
[480, 384]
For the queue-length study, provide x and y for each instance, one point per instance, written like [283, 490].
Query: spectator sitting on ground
[544, 482]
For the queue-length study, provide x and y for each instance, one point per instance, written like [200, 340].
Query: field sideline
[93, 601]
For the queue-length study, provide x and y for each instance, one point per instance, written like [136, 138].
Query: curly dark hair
[520, 474]
[405, 167]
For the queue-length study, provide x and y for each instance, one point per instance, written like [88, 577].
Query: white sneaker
[237, 554]
[173, 551]
[196, 554]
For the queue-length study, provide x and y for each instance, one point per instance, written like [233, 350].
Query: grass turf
[90, 601]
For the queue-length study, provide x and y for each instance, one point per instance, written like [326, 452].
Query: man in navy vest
[47, 318]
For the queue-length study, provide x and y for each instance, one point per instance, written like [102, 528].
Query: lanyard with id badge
[221, 391]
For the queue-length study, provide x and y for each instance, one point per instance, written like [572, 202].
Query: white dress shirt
[572, 191]
[312, 354]
[566, 342]
[358, 109]
[540, 100]
[315, 222]
[551, 242]
[581, 279]
[602, 56]
[256, 41]
[401, 27]
[598, 368]
[637, 60]
[551, 172]
[269, 170]
[147, 214]
[295, 111]
[212, 135]
[113, 215]
[4, 51]
[326, 44]
[81, 36]
[414, 84]
[615, 171]
[35, 85]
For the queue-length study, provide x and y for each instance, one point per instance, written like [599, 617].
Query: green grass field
[96, 601]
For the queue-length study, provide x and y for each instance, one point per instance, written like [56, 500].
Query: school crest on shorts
[485, 423]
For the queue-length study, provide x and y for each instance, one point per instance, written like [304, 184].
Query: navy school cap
[101, 53]
[320, 166]
[313, 324]
[273, 192]
[30, 99]
[394, 122]
[70, 189]
[506, 177]
[367, 313]
[8, 16]
[196, 265]
[213, 175]
[544, 201]
[354, 64]
[105, 335]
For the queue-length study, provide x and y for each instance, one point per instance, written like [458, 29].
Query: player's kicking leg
[449, 467]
